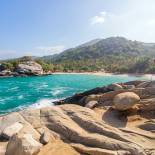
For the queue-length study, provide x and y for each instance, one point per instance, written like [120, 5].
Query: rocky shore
[27, 68]
[118, 119]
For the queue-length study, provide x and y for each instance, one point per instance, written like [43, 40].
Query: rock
[147, 104]
[91, 98]
[58, 148]
[146, 84]
[115, 86]
[45, 138]
[12, 118]
[125, 101]
[3, 146]
[135, 83]
[11, 130]
[129, 86]
[29, 68]
[85, 129]
[91, 104]
[5, 73]
[82, 125]
[97, 151]
[23, 145]
[148, 126]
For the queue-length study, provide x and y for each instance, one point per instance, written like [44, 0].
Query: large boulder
[23, 145]
[125, 101]
[29, 68]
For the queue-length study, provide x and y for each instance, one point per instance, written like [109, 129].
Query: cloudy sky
[43, 27]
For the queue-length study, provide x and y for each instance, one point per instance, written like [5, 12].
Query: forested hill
[115, 54]
[105, 47]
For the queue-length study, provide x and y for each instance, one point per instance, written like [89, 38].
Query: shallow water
[21, 92]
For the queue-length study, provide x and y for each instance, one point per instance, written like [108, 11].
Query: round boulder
[125, 101]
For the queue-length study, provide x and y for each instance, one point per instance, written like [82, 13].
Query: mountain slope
[104, 47]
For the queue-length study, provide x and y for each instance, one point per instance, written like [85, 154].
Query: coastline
[148, 76]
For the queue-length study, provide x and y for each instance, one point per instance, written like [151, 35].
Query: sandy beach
[147, 76]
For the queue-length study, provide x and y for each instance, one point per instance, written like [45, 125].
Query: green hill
[105, 47]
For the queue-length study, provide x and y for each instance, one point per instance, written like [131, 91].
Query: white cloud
[51, 49]
[135, 19]
[99, 19]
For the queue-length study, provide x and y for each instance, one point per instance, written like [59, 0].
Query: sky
[46, 27]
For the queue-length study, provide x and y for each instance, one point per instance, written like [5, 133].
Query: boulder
[5, 73]
[146, 84]
[147, 104]
[125, 101]
[129, 86]
[29, 68]
[115, 86]
[23, 145]
[91, 104]
[12, 118]
[91, 98]
[45, 138]
[11, 130]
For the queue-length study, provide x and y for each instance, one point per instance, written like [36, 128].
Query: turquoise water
[21, 92]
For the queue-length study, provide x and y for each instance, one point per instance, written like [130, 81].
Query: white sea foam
[59, 90]
[14, 88]
[43, 103]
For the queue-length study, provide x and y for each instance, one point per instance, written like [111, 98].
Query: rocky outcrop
[97, 129]
[26, 68]
[29, 68]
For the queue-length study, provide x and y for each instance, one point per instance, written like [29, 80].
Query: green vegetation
[115, 54]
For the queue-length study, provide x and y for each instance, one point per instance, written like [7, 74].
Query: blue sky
[43, 27]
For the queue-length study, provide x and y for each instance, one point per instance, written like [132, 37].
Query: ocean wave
[59, 90]
[14, 88]
[43, 103]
